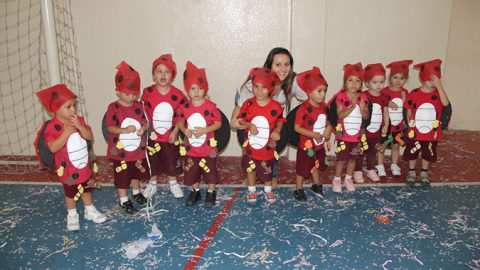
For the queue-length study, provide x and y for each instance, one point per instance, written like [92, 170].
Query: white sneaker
[73, 223]
[95, 216]
[396, 171]
[381, 170]
[176, 191]
[358, 177]
[150, 190]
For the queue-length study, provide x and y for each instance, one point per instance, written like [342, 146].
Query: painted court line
[202, 247]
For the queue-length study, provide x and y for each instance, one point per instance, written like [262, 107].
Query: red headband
[54, 97]
[428, 69]
[310, 80]
[268, 78]
[372, 70]
[127, 79]
[400, 67]
[194, 75]
[353, 70]
[166, 60]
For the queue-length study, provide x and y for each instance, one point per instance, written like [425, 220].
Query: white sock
[172, 182]
[90, 207]
[196, 189]
[135, 191]
[154, 182]
[72, 212]
[268, 189]
[252, 189]
[348, 177]
[210, 190]
[336, 178]
[123, 200]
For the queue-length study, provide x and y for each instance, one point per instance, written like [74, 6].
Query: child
[203, 118]
[65, 137]
[162, 101]
[374, 78]
[351, 110]
[424, 110]
[314, 128]
[126, 123]
[264, 120]
[397, 95]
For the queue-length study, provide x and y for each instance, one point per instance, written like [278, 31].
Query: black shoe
[193, 198]
[317, 189]
[140, 199]
[300, 195]
[210, 199]
[128, 207]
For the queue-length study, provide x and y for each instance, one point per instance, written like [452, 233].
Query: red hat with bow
[54, 97]
[127, 79]
[310, 80]
[372, 70]
[194, 75]
[268, 78]
[353, 70]
[166, 60]
[428, 69]
[400, 67]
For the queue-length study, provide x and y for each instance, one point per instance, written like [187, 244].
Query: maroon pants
[305, 164]
[263, 168]
[166, 161]
[123, 177]
[195, 167]
[71, 191]
[347, 151]
[370, 154]
[414, 148]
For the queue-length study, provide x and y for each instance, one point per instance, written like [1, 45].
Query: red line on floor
[202, 247]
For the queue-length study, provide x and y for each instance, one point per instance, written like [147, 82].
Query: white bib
[261, 139]
[162, 117]
[196, 120]
[131, 140]
[77, 151]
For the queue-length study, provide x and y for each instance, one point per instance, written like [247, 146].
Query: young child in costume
[424, 110]
[351, 110]
[264, 120]
[126, 123]
[314, 128]
[65, 137]
[374, 78]
[203, 119]
[397, 94]
[162, 101]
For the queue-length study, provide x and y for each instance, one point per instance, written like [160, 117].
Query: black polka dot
[244, 115]
[309, 109]
[434, 97]
[249, 103]
[436, 69]
[149, 105]
[212, 115]
[187, 105]
[415, 90]
[175, 115]
[307, 77]
[122, 154]
[249, 151]
[368, 68]
[149, 89]
[120, 78]
[64, 164]
[75, 176]
[57, 127]
[357, 68]
[174, 97]
[347, 103]
[341, 100]
[115, 139]
[130, 85]
[206, 112]
[138, 111]
[182, 101]
[304, 117]
[414, 105]
[268, 147]
[114, 117]
[200, 80]
[116, 106]
[274, 112]
[182, 115]
[117, 123]
[54, 94]
[188, 147]
[273, 84]
[404, 66]
[410, 102]
[310, 122]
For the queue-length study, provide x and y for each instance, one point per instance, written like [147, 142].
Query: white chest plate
[261, 139]
[131, 141]
[162, 117]
[77, 151]
[196, 120]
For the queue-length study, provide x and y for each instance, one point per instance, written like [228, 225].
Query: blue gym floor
[377, 227]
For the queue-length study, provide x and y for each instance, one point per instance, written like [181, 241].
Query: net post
[48, 18]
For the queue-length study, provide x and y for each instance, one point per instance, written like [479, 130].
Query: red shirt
[73, 156]
[426, 110]
[374, 130]
[352, 124]
[162, 110]
[265, 119]
[199, 116]
[397, 122]
[120, 116]
[313, 119]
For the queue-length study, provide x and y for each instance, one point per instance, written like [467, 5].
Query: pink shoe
[337, 186]
[358, 177]
[350, 185]
[372, 175]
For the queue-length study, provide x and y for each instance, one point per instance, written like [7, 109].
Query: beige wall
[230, 37]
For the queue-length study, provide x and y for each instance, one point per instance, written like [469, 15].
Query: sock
[268, 189]
[348, 177]
[153, 182]
[172, 182]
[135, 191]
[72, 212]
[252, 189]
[123, 200]
[336, 178]
[210, 190]
[196, 189]
[90, 207]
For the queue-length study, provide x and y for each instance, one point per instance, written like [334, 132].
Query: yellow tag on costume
[213, 142]
[308, 144]
[95, 167]
[182, 151]
[60, 171]
[364, 138]
[120, 145]
[79, 193]
[435, 124]
[411, 134]
[202, 164]
[245, 143]
[275, 154]
[123, 166]
[416, 147]
[252, 166]
[338, 127]
[176, 143]
[341, 147]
